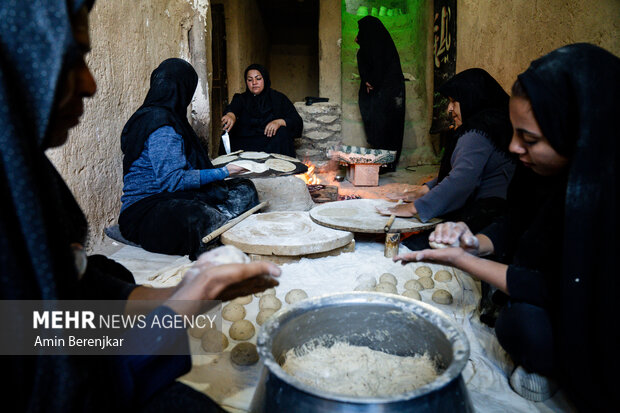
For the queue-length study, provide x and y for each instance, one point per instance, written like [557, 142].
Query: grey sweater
[478, 169]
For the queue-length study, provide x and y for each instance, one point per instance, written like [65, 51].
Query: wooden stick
[390, 221]
[233, 222]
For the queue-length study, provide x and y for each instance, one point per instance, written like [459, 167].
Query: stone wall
[322, 129]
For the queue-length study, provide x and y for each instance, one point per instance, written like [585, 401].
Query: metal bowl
[385, 322]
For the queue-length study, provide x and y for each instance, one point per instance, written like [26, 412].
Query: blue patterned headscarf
[39, 218]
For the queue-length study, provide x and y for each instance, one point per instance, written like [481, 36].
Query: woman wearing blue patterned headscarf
[43, 80]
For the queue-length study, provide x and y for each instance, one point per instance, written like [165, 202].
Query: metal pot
[385, 322]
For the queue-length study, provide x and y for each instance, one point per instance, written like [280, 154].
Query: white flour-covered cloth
[486, 373]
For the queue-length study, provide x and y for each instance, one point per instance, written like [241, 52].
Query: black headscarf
[377, 59]
[484, 109]
[573, 91]
[260, 108]
[173, 84]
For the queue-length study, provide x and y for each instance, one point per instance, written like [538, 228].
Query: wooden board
[360, 215]
[284, 233]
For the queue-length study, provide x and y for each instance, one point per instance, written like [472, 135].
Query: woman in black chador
[382, 87]
[172, 194]
[263, 119]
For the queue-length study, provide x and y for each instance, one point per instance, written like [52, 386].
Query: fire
[309, 177]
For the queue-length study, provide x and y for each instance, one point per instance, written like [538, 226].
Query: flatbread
[285, 157]
[280, 165]
[252, 167]
[224, 159]
[254, 155]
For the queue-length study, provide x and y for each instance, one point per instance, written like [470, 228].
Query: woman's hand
[446, 256]
[235, 169]
[409, 195]
[223, 282]
[403, 210]
[368, 87]
[451, 233]
[273, 126]
[228, 120]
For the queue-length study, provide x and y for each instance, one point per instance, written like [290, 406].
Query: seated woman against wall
[172, 194]
[261, 118]
[561, 271]
[476, 168]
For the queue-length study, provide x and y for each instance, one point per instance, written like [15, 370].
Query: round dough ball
[269, 301]
[388, 278]
[263, 315]
[413, 285]
[295, 295]
[423, 271]
[366, 282]
[241, 330]
[386, 288]
[442, 297]
[233, 312]
[268, 291]
[226, 254]
[247, 299]
[214, 341]
[363, 288]
[244, 354]
[443, 276]
[412, 294]
[427, 282]
[197, 332]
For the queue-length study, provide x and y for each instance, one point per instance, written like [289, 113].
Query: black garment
[254, 112]
[484, 108]
[572, 91]
[476, 214]
[383, 108]
[525, 332]
[175, 223]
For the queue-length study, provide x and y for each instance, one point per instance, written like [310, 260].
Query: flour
[358, 371]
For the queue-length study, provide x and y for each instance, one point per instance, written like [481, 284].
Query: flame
[310, 178]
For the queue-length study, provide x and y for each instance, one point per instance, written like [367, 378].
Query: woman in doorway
[172, 194]
[382, 88]
[476, 167]
[561, 276]
[261, 118]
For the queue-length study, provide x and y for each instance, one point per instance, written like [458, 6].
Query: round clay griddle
[300, 168]
[284, 233]
[360, 215]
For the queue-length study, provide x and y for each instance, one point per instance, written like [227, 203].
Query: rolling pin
[233, 222]
[390, 221]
